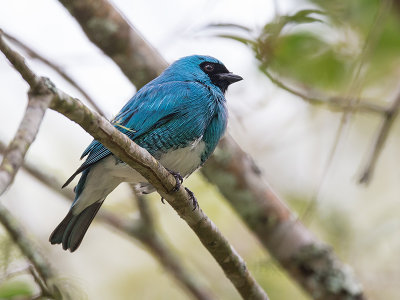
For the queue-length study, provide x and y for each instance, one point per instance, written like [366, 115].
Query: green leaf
[307, 58]
[14, 289]
[228, 26]
[303, 16]
[237, 38]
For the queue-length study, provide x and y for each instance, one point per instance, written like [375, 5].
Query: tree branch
[383, 133]
[137, 229]
[142, 230]
[27, 131]
[334, 103]
[138, 158]
[29, 248]
[266, 204]
[39, 100]
[309, 261]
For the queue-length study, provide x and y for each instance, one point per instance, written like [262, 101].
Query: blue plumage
[178, 117]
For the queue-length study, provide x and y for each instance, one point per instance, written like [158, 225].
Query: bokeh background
[311, 155]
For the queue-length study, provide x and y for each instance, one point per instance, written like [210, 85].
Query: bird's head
[205, 69]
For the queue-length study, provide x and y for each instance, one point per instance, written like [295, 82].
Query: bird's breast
[184, 160]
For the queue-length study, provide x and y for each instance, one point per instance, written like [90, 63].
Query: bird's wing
[151, 108]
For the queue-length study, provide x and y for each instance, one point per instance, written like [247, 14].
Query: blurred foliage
[13, 282]
[15, 289]
[321, 47]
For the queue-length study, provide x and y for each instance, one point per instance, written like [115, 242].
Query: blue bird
[179, 117]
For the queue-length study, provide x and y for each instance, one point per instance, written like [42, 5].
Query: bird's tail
[72, 228]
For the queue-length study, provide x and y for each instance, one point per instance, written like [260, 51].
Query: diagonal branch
[139, 159]
[334, 103]
[39, 100]
[383, 132]
[309, 261]
[260, 210]
[29, 248]
[27, 131]
[142, 230]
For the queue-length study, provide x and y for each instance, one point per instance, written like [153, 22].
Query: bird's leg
[179, 179]
[193, 198]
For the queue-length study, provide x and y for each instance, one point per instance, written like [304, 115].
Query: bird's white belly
[183, 160]
[108, 173]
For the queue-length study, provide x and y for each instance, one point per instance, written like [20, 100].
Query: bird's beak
[229, 77]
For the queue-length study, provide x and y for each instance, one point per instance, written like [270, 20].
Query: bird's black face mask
[219, 75]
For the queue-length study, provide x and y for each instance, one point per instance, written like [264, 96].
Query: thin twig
[29, 248]
[145, 214]
[44, 291]
[36, 55]
[18, 62]
[138, 158]
[335, 103]
[14, 273]
[380, 140]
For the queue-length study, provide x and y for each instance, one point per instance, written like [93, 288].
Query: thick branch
[263, 200]
[310, 262]
[139, 159]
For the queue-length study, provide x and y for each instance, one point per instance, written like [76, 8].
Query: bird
[178, 117]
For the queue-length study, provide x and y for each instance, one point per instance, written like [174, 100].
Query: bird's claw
[193, 198]
[179, 180]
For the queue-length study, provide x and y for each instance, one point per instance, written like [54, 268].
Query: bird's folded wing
[153, 107]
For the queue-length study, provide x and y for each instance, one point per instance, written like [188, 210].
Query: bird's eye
[208, 68]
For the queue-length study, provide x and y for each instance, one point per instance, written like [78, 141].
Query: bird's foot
[193, 198]
[179, 180]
